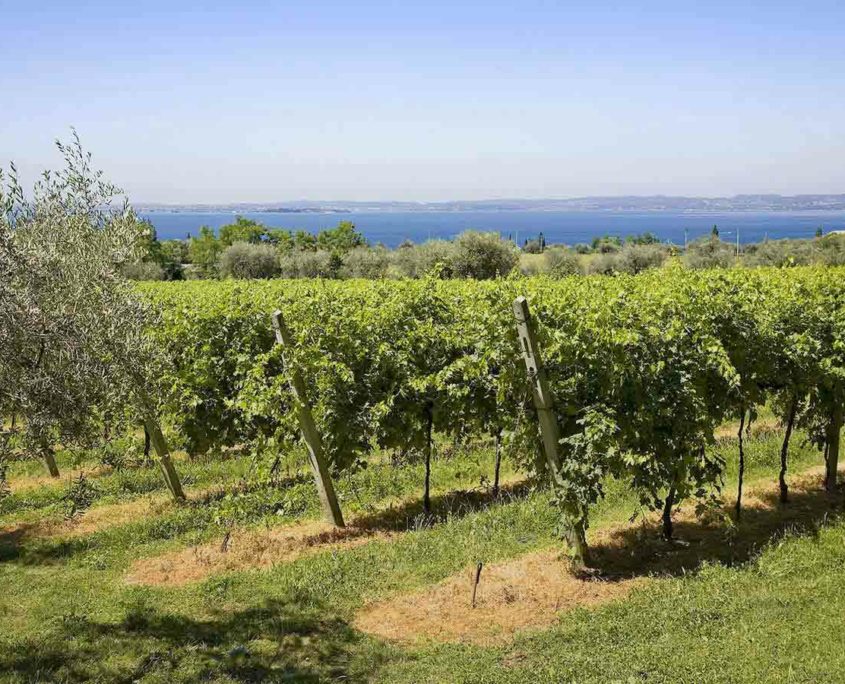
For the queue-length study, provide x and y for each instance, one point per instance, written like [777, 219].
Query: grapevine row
[643, 369]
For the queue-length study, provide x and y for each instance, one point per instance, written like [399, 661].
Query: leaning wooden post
[163, 452]
[544, 405]
[331, 508]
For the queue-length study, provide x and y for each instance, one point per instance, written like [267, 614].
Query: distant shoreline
[701, 212]
[651, 204]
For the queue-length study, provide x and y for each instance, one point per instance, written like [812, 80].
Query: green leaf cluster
[643, 369]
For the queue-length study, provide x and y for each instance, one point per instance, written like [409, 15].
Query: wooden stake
[539, 385]
[477, 580]
[171, 477]
[549, 430]
[331, 508]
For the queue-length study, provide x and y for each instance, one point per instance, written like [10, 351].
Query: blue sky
[263, 101]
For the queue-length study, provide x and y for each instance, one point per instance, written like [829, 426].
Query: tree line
[246, 249]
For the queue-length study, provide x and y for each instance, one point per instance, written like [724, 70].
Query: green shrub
[483, 256]
[364, 262]
[79, 496]
[532, 247]
[607, 244]
[647, 238]
[242, 230]
[307, 264]
[204, 253]
[247, 260]
[415, 261]
[637, 257]
[343, 238]
[710, 253]
[561, 262]
[832, 249]
[143, 270]
[604, 263]
[532, 264]
[780, 253]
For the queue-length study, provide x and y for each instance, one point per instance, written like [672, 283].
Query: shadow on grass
[244, 487]
[410, 514]
[23, 544]
[276, 641]
[12, 538]
[401, 517]
[639, 550]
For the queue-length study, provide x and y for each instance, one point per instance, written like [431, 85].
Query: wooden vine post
[171, 477]
[549, 430]
[331, 508]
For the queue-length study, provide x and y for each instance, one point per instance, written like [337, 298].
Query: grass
[775, 620]
[766, 605]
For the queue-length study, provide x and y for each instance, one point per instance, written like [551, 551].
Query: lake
[570, 227]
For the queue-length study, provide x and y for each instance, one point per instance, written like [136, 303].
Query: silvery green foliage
[246, 260]
[72, 347]
[483, 256]
[307, 264]
[561, 262]
[366, 262]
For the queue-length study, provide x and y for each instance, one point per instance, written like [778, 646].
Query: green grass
[777, 619]
[768, 610]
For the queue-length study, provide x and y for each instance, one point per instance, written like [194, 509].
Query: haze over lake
[570, 227]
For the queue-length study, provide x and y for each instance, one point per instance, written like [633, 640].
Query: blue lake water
[569, 227]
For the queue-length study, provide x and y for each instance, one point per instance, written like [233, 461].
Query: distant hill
[655, 203]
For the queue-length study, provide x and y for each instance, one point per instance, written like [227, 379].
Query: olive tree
[248, 260]
[709, 253]
[73, 347]
[483, 256]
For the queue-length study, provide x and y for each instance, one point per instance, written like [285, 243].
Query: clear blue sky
[263, 101]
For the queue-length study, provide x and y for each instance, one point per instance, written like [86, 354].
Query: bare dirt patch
[29, 482]
[244, 549]
[92, 520]
[100, 518]
[528, 592]
[112, 515]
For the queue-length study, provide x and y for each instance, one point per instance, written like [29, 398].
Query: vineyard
[627, 478]
[641, 370]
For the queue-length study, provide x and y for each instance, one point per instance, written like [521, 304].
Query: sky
[216, 102]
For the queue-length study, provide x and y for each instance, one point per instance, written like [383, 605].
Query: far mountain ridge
[634, 203]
